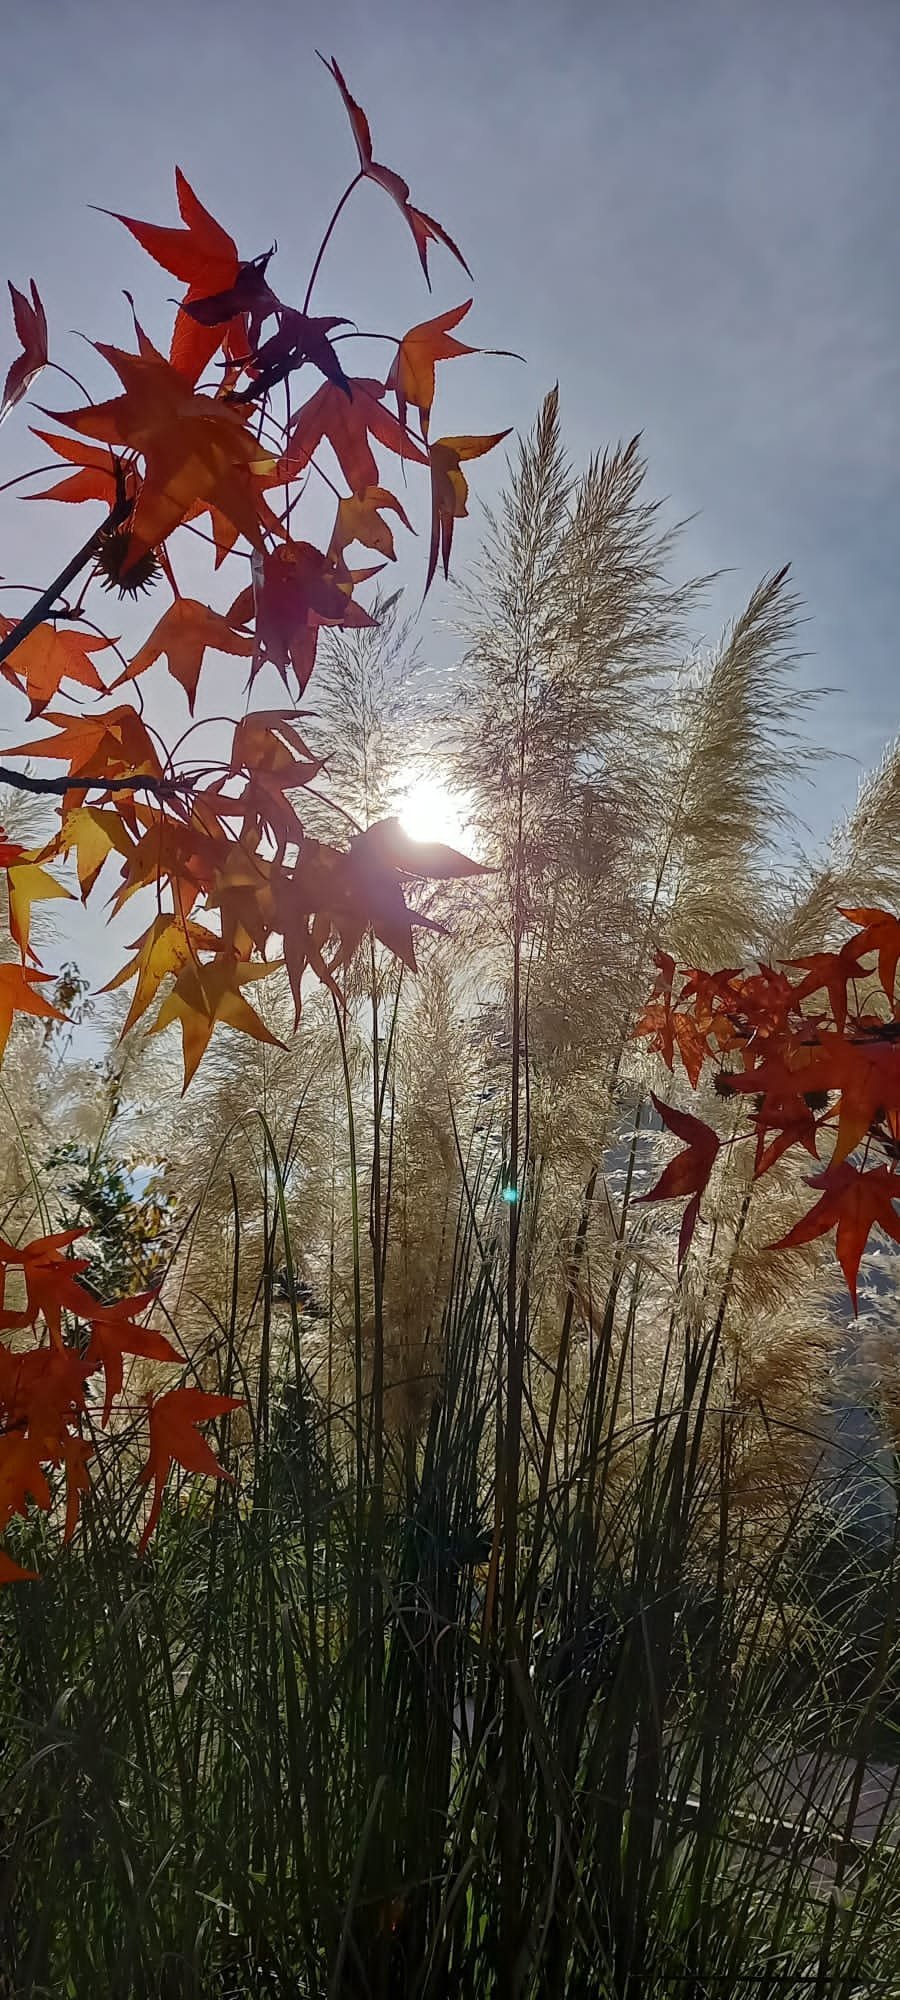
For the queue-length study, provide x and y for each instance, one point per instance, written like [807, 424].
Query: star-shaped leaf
[30, 321]
[449, 492]
[183, 634]
[194, 447]
[424, 228]
[207, 994]
[48, 656]
[852, 1202]
[689, 1172]
[18, 995]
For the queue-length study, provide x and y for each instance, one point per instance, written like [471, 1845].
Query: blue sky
[686, 212]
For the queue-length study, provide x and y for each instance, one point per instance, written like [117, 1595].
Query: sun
[428, 809]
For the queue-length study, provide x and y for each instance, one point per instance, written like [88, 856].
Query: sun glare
[428, 810]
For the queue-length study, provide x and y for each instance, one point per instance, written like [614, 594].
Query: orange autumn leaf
[166, 947]
[880, 932]
[348, 423]
[41, 1390]
[204, 257]
[689, 1172]
[204, 995]
[183, 634]
[116, 743]
[95, 478]
[22, 1475]
[50, 1279]
[27, 884]
[94, 832]
[830, 972]
[449, 492]
[177, 852]
[194, 449]
[114, 1334]
[49, 656]
[30, 321]
[358, 520]
[18, 996]
[412, 372]
[175, 1440]
[853, 1203]
[865, 1073]
[424, 228]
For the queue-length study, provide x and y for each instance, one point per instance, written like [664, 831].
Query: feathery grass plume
[366, 712]
[734, 745]
[256, 1132]
[429, 1076]
[569, 626]
[861, 866]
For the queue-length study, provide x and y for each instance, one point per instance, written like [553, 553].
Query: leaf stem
[345, 197]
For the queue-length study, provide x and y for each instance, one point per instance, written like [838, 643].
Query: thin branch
[161, 788]
[345, 197]
[43, 605]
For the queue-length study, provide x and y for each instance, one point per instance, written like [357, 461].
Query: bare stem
[323, 246]
[43, 605]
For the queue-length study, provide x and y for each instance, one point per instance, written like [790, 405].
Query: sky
[683, 211]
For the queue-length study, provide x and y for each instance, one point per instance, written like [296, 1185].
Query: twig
[43, 605]
[162, 788]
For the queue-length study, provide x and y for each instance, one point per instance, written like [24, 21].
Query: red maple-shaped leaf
[829, 972]
[22, 1476]
[95, 478]
[114, 1333]
[195, 450]
[864, 1071]
[424, 228]
[205, 258]
[41, 1391]
[689, 1172]
[296, 590]
[334, 897]
[51, 1281]
[450, 491]
[183, 634]
[48, 656]
[30, 321]
[348, 423]
[792, 1121]
[667, 1028]
[879, 932]
[853, 1201]
[412, 373]
[175, 1440]
[18, 996]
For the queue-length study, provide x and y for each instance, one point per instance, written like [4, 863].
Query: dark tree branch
[43, 605]
[162, 788]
